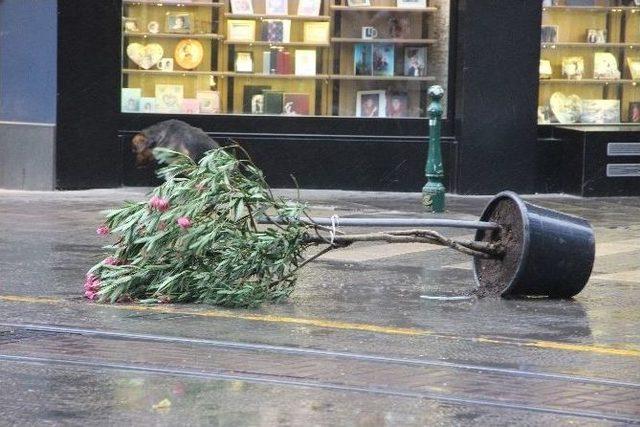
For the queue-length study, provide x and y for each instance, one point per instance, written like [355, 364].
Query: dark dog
[174, 135]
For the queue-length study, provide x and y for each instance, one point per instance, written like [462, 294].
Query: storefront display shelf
[589, 45]
[172, 73]
[207, 36]
[383, 9]
[172, 3]
[391, 78]
[262, 16]
[393, 41]
[268, 43]
[276, 76]
[592, 8]
[590, 81]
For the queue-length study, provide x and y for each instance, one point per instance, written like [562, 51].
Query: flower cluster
[91, 286]
[159, 203]
[103, 230]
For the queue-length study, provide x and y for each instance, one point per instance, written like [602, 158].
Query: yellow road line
[351, 326]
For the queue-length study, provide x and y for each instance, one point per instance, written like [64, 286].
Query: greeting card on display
[309, 7]
[130, 100]
[190, 106]
[148, 105]
[295, 104]
[169, 98]
[305, 62]
[316, 32]
[209, 101]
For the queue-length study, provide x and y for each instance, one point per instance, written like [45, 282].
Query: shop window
[348, 58]
[590, 62]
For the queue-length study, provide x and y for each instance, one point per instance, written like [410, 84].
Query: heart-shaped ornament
[145, 56]
[567, 109]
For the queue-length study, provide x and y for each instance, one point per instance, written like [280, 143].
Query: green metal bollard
[433, 190]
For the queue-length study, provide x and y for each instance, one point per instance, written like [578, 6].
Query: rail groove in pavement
[286, 366]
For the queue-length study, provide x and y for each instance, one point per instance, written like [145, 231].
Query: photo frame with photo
[596, 36]
[165, 64]
[634, 112]
[244, 62]
[600, 111]
[371, 103]
[242, 7]
[276, 7]
[309, 7]
[130, 25]
[362, 59]
[415, 61]
[180, 23]
[305, 62]
[397, 105]
[634, 67]
[383, 59]
[549, 34]
[573, 67]
[241, 30]
[411, 4]
[545, 70]
[130, 100]
[276, 30]
[252, 98]
[190, 106]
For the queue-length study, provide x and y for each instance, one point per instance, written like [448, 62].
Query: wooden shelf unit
[332, 91]
[591, 81]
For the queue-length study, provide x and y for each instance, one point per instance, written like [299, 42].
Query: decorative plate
[145, 56]
[567, 109]
[189, 53]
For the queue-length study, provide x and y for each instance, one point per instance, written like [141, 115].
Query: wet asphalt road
[355, 345]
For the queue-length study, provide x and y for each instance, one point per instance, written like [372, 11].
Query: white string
[335, 222]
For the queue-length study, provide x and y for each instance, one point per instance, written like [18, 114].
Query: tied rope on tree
[198, 239]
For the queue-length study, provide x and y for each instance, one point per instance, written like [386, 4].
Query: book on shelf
[383, 59]
[266, 62]
[316, 32]
[272, 101]
[305, 62]
[295, 104]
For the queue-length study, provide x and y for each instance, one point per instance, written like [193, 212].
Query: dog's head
[141, 146]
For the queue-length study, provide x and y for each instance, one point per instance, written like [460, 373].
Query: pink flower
[103, 230]
[91, 295]
[159, 203]
[91, 286]
[184, 222]
[112, 261]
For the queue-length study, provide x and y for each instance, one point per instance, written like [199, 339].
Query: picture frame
[362, 59]
[276, 30]
[148, 105]
[634, 67]
[240, 30]
[596, 36]
[190, 106]
[545, 70]
[179, 22]
[309, 7]
[358, 3]
[371, 103]
[273, 101]
[209, 101]
[383, 59]
[277, 7]
[130, 100]
[169, 98]
[397, 105]
[305, 62]
[130, 25]
[316, 32]
[165, 64]
[600, 111]
[634, 112]
[189, 53]
[573, 67]
[243, 62]
[415, 61]
[252, 98]
[153, 27]
[296, 104]
[605, 66]
[242, 7]
[549, 34]
[411, 4]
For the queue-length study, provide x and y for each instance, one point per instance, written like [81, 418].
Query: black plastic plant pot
[547, 253]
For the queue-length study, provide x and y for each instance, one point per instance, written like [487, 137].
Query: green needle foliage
[217, 254]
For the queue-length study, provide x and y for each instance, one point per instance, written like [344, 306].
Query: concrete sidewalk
[355, 345]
